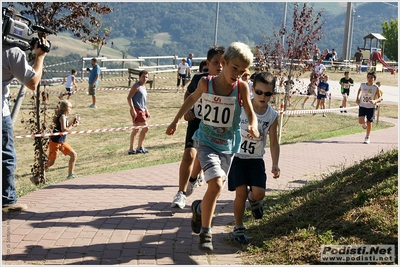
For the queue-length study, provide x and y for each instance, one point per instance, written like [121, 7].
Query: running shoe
[196, 217]
[179, 200]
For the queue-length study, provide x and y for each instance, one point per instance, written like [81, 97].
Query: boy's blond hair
[63, 107]
[240, 51]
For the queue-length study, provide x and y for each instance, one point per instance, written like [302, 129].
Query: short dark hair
[265, 77]
[372, 73]
[215, 50]
[202, 65]
[143, 72]
[94, 59]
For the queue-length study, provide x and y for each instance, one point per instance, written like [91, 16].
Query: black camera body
[19, 31]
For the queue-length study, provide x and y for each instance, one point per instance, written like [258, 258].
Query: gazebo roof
[375, 36]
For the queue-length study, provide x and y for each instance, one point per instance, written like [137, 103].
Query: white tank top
[250, 146]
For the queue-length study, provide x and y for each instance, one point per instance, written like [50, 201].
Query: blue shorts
[367, 112]
[213, 163]
[250, 172]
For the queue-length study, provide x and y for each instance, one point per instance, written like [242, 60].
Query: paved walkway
[125, 217]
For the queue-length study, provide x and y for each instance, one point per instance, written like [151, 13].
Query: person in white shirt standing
[183, 71]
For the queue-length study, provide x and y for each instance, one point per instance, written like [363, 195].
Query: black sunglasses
[259, 92]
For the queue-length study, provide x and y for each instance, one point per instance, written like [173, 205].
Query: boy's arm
[248, 108]
[73, 81]
[358, 96]
[189, 102]
[274, 148]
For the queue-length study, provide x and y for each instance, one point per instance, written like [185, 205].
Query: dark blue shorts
[247, 171]
[367, 112]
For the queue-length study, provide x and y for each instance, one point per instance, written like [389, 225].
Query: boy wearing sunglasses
[218, 137]
[247, 174]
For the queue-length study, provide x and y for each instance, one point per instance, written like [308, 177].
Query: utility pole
[346, 53]
[284, 23]
[216, 24]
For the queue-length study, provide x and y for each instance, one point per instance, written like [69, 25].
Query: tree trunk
[38, 142]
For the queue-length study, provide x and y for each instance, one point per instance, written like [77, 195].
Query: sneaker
[192, 185]
[302, 105]
[92, 106]
[71, 176]
[196, 217]
[142, 150]
[341, 110]
[61, 95]
[15, 207]
[366, 140]
[132, 152]
[364, 126]
[205, 241]
[257, 209]
[313, 105]
[179, 200]
[239, 235]
[323, 115]
[200, 177]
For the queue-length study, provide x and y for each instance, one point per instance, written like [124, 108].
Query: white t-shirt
[182, 68]
[319, 69]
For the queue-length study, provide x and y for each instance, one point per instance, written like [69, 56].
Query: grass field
[107, 151]
[353, 206]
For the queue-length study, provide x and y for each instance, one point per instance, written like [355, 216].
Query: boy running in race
[218, 136]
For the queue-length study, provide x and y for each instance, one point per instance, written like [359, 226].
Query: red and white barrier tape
[63, 63]
[312, 111]
[103, 89]
[287, 112]
[93, 131]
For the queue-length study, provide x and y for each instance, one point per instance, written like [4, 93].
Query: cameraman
[15, 65]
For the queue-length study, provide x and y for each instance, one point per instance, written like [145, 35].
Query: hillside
[178, 28]
[64, 45]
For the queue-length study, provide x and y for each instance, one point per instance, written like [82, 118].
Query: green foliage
[390, 31]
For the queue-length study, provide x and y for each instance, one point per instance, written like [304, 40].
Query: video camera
[18, 31]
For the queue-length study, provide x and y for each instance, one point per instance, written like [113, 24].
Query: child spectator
[137, 99]
[58, 142]
[68, 85]
[323, 88]
[218, 136]
[367, 96]
[248, 167]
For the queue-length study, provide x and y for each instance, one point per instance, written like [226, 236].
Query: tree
[390, 32]
[80, 19]
[291, 59]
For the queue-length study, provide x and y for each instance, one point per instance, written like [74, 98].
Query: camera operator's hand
[38, 51]
[37, 66]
